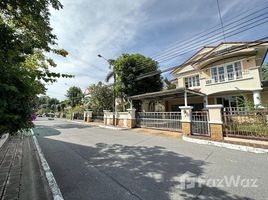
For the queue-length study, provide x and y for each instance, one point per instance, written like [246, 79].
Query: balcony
[228, 77]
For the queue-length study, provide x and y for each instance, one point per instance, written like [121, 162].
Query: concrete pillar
[186, 118]
[85, 116]
[105, 116]
[115, 118]
[205, 101]
[185, 98]
[72, 116]
[215, 121]
[131, 120]
[257, 98]
[89, 116]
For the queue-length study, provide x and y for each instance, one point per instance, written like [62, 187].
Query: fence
[97, 116]
[244, 123]
[160, 120]
[200, 125]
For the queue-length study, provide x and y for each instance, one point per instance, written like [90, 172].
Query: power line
[229, 50]
[233, 28]
[219, 10]
[216, 39]
[199, 42]
[172, 68]
[231, 31]
[202, 33]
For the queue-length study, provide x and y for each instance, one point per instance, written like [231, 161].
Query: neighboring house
[223, 74]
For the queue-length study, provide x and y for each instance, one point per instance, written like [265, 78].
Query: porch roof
[178, 93]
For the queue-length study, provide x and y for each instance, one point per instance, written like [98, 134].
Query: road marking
[55, 190]
[3, 139]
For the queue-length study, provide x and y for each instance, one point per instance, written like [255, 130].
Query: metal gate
[200, 125]
[160, 120]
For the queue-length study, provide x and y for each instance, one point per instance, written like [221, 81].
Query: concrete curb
[95, 125]
[55, 190]
[77, 122]
[225, 145]
[3, 139]
[113, 128]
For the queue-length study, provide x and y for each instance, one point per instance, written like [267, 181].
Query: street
[102, 164]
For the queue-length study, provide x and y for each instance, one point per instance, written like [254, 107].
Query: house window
[238, 70]
[230, 72]
[214, 74]
[192, 81]
[231, 101]
[221, 74]
[227, 72]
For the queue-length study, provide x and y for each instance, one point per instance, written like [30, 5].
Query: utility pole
[114, 75]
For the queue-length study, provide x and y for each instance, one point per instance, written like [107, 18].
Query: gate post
[131, 119]
[89, 115]
[85, 116]
[186, 119]
[105, 116]
[215, 121]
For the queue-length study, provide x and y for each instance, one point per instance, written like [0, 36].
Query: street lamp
[114, 75]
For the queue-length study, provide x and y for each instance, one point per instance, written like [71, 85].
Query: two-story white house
[228, 74]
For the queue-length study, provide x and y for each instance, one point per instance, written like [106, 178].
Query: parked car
[51, 116]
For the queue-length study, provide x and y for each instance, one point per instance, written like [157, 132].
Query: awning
[175, 93]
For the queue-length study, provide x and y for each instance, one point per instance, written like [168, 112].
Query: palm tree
[109, 76]
[111, 73]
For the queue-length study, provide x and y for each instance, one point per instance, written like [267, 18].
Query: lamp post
[114, 75]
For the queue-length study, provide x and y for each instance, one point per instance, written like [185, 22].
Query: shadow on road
[144, 172]
[69, 125]
[45, 131]
[62, 126]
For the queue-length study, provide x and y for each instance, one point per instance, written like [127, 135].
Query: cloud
[86, 28]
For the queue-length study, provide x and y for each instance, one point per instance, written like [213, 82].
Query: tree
[63, 104]
[128, 67]
[100, 97]
[169, 85]
[52, 103]
[265, 71]
[43, 101]
[26, 39]
[75, 96]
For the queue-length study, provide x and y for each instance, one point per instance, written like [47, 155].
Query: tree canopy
[168, 84]
[265, 71]
[26, 39]
[75, 96]
[100, 97]
[128, 67]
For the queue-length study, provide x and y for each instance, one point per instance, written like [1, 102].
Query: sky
[86, 28]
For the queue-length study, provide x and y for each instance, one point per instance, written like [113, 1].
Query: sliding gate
[160, 120]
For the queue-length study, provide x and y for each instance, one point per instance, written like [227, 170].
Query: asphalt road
[102, 164]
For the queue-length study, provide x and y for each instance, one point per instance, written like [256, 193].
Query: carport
[167, 95]
[163, 119]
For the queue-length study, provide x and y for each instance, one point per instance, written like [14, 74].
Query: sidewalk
[20, 173]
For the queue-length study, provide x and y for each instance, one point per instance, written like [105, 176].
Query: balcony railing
[232, 76]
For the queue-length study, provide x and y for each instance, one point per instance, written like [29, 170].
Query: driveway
[102, 164]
